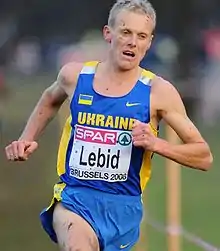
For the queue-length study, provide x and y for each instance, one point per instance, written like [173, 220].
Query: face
[129, 39]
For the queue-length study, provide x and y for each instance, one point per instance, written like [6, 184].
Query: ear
[107, 34]
[152, 37]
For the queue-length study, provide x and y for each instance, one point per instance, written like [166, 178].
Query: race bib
[100, 154]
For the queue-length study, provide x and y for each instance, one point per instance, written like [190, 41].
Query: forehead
[135, 21]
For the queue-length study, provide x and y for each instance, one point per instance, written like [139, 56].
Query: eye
[142, 36]
[126, 32]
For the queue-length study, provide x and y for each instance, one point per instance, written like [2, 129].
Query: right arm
[45, 110]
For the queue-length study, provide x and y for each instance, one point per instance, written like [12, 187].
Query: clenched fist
[20, 150]
[143, 136]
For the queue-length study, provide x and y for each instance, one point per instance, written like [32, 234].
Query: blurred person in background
[210, 105]
[3, 88]
[104, 158]
[4, 92]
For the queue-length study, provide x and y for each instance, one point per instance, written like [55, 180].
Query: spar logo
[96, 135]
[124, 139]
[100, 136]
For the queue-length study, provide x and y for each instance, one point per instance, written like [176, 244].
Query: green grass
[200, 202]
[26, 188]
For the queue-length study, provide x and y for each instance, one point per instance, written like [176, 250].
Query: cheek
[122, 40]
[144, 47]
[118, 43]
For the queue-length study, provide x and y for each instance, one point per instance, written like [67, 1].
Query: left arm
[194, 152]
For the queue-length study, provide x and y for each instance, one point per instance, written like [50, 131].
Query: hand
[143, 136]
[20, 150]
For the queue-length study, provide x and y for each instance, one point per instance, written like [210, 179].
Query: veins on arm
[171, 109]
[194, 152]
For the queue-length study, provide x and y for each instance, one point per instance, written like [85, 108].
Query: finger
[23, 158]
[136, 123]
[21, 147]
[139, 143]
[30, 149]
[15, 149]
[11, 154]
[137, 127]
[8, 152]
[141, 130]
[137, 131]
[139, 137]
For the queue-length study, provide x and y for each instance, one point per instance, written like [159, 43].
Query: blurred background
[36, 38]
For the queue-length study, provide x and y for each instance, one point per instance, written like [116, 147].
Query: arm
[194, 152]
[166, 104]
[50, 102]
[46, 108]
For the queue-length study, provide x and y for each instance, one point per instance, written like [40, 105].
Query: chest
[93, 105]
[113, 88]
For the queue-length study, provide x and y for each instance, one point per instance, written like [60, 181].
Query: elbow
[51, 100]
[207, 160]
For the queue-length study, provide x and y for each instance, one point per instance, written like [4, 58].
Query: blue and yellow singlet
[96, 149]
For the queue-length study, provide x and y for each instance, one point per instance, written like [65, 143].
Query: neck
[119, 75]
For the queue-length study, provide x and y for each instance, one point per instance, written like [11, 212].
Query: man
[108, 140]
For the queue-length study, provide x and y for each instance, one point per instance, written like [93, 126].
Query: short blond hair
[142, 6]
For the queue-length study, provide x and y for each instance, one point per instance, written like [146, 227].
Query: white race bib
[100, 154]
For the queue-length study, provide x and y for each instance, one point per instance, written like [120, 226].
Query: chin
[127, 66]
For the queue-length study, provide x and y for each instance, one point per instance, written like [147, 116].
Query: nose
[132, 41]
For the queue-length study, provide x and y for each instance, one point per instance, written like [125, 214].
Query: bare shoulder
[70, 71]
[162, 87]
[166, 96]
[68, 76]
[168, 105]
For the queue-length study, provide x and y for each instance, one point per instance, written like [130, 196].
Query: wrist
[158, 145]
[26, 138]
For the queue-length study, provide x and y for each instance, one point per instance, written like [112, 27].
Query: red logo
[96, 135]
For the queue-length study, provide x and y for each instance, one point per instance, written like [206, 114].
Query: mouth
[129, 54]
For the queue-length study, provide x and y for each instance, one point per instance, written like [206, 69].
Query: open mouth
[130, 54]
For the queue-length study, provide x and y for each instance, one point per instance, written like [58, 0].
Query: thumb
[30, 148]
[136, 123]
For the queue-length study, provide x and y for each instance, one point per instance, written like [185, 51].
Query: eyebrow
[140, 32]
